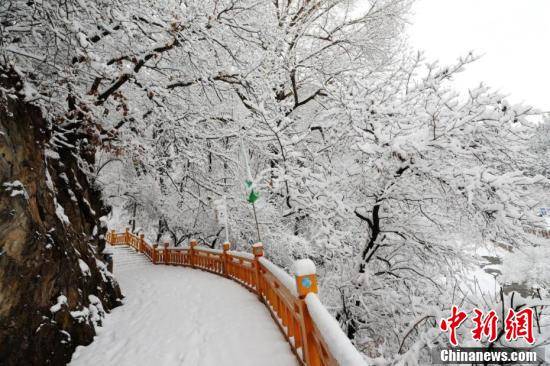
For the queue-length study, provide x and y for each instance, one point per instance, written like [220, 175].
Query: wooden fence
[539, 232]
[284, 296]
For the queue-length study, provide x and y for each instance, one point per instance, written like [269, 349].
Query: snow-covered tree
[433, 177]
[365, 158]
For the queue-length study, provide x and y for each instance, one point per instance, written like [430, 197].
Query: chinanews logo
[517, 326]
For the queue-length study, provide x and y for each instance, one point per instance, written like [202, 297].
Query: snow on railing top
[241, 254]
[304, 267]
[313, 334]
[281, 275]
[209, 250]
[338, 343]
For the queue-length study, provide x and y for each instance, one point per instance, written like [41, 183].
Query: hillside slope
[54, 285]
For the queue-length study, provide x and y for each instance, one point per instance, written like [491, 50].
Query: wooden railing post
[258, 251]
[127, 236]
[154, 254]
[141, 245]
[112, 239]
[225, 258]
[165, 253]
[192, 245]
[306, 282]
[306, 278]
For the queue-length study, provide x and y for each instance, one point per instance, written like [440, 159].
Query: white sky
[512, 35]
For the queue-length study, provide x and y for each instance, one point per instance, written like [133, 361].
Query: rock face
[54, 286]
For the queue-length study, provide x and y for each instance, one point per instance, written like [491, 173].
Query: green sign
[253, 195]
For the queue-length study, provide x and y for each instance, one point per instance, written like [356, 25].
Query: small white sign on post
[220, 208]
[221, 211]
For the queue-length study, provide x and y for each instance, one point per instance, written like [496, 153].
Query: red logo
[452, 323]
[519, 325]
[516, 325]
[485, 325]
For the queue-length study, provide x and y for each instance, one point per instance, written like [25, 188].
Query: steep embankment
[54, 285]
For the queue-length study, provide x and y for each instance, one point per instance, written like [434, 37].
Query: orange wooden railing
[283, 295]
[539, 232]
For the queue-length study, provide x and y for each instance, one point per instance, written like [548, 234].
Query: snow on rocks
[93, 314]
[89, 206]
[84, 268]
[16, 188]
[49, 182]
[64, 177]
[60, 212]
[61, 300]
[29, 92]
[103, 220]
[67, 336]
[103, 271]
[96, 309]
[339, 344]
[51, 154]
[81, 316]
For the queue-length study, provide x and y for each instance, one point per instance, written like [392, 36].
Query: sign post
[251, 195]
[222, 216]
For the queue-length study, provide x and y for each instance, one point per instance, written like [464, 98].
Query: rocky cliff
[54, 284]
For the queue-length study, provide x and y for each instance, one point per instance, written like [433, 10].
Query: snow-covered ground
[181, 316]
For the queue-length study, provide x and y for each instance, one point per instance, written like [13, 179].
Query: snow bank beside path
[181, 316]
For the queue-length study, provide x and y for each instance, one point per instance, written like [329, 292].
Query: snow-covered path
[181, 316]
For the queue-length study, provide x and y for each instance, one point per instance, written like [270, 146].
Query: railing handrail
[292, 301]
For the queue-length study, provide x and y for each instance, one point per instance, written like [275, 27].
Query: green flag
[252, 195]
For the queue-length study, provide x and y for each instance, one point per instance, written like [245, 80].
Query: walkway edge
[315, 340]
